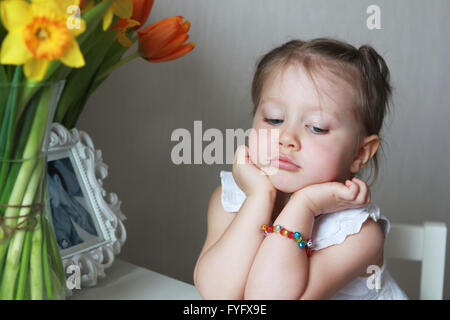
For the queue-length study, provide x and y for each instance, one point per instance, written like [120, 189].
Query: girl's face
[322, 143]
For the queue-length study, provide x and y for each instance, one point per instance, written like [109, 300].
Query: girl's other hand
[248, 176]
[334, 196]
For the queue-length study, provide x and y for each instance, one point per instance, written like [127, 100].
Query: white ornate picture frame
[87, 219]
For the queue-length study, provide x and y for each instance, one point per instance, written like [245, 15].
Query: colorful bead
[296, 236]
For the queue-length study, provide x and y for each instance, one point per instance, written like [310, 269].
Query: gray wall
[132, 115]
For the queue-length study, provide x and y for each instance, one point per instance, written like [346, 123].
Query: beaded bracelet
[296, 236]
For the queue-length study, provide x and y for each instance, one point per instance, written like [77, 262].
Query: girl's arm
[280, 270]
[283, 271]
[231, 245]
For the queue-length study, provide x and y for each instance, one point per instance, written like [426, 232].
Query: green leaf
[8, 124]
[78, 81]
[93, 18]
[4, 84]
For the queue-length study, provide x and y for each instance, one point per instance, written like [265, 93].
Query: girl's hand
[248, 176]
[334, 196]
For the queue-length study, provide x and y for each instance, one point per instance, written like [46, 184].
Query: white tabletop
[126, 281]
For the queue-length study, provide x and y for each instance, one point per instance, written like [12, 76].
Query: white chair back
[426, 243]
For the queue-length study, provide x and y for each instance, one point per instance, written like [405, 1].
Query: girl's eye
[273, 121]
[319, 131]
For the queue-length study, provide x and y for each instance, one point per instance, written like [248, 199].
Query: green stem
[54, 252]
[24, 267]
[11, 269]
[15, 165]
[45, 265]
[118, 64]
[36, 280]
[32, 150]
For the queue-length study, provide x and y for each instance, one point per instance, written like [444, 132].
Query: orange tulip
[141, 11]
[86, 5]
[122, 25]
[165, 40]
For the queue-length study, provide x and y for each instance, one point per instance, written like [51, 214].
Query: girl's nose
[289, 140]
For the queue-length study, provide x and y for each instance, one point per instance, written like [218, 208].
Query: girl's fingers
[364, 192]
[352, 190]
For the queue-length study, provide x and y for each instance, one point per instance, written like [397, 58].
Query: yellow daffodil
[39, 33]
[121, 8]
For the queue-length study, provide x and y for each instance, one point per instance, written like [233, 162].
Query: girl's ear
[367, 150]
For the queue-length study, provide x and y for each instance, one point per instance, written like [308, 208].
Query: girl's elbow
[208, 292]
[210, 289]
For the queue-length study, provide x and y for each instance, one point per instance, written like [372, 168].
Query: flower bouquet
[53, 56]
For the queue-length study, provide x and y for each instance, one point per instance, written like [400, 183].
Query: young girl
[327, 101]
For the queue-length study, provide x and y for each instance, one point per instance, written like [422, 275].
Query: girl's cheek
[263, 146]
[253, 147]
[323, 163]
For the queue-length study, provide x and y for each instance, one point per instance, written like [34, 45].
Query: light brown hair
[364, 69]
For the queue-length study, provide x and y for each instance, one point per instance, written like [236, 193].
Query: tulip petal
[35, 69]
[170, 23]
[123, 8]
[154, 38]
[86, 6]
[14, 49]
[14, 14]
[72, 55]
[141, 10]
[173, 45]
[123, 39]
[183, 50]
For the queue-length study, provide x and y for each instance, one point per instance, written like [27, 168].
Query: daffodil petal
[76, 26]
[14, 13]
[72, 55]
[14, 50]
[35, 69]
[107, 18]
[65, 4]
[123, 8]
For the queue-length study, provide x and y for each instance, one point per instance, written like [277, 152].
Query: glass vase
[30, 262]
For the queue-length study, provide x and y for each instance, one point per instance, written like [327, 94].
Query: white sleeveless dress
[330, 229]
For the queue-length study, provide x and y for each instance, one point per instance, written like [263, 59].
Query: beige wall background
[132, 115]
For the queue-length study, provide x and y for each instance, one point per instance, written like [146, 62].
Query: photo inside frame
[75, 222]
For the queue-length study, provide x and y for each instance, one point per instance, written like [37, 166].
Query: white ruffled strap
[333, 228]
[328, 229]
[232, 196]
